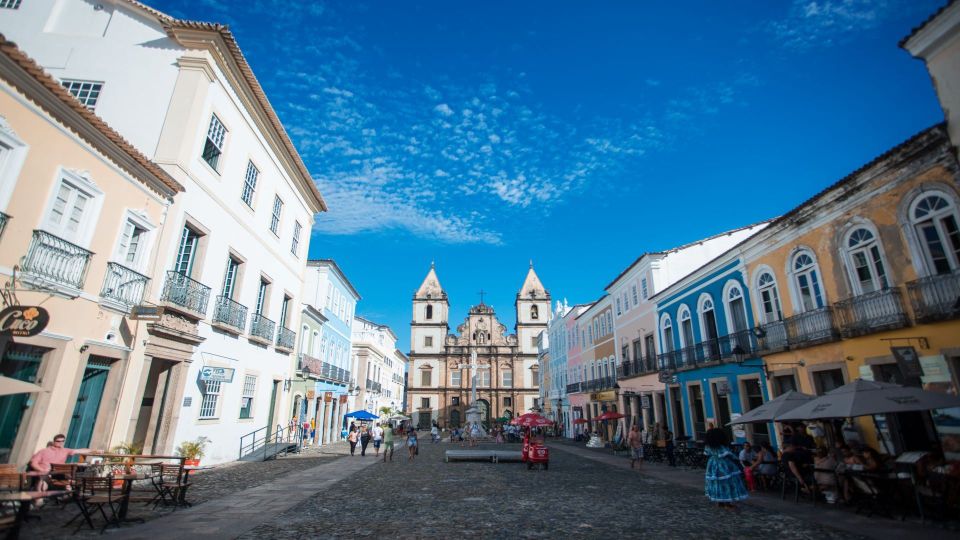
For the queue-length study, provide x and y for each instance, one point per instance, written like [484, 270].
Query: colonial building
[507, 377]
[379, 367]
[233, 251]
[81, 212]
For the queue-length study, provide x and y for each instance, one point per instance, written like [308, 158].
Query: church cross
[481, 296]
[473, 366]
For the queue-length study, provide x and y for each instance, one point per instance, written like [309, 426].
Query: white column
[321, 421]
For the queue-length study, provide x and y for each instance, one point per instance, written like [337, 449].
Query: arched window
[708, 318]
[865, 261]
[666, 334]
[807, 281]
[534, 312]
[736, 308]
[935, 222]
[315, 346]
[429, 314]
[686, 327]
[769, 297]
[304, 339]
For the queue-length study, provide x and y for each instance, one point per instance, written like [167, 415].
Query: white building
[378, 365]
[234, 244]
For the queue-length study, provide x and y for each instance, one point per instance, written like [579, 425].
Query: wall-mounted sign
[645, 401]
[343, 398]
[908, 361]
[723, 388]
[219, 374]
[23, 321]
[145, 313]
[327, 397]
[311, 394]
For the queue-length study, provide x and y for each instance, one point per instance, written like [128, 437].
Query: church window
[455, 400]
[508, 402]
[483, 378]
[456, 378]
[534, 312]
[428, 341]
[508, 379]
[424, 403]
[426, 377]
[429, 312]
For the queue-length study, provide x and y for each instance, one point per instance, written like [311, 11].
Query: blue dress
[724, 480]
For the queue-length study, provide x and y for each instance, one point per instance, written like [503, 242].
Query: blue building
[707, 345]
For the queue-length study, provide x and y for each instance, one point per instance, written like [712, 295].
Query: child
[411, 445]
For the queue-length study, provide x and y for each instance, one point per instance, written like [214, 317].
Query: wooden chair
[169, 480]
[11, 481]
[9, 468]
[95, 493]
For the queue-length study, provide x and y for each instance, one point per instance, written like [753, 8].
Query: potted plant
[192, 451]
[126, 464]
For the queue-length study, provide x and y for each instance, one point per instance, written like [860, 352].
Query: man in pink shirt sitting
[44, 457]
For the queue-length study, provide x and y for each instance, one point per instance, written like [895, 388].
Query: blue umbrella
[361, 415]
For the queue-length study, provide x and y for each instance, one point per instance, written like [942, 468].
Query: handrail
[279, 435]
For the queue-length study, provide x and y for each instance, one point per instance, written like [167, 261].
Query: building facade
[81, 214]
[507, 379]
[235, 250]
[379, 367]
[553, 389]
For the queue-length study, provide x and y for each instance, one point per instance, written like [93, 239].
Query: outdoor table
[128, 480]
[182, 495]
[25, 498]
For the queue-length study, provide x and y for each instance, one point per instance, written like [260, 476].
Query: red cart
[534, 452]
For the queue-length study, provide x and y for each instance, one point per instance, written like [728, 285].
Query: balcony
[285, 339]
[637, 367]
[4, 218]
[811, 328]
[597, 385]
[872, 312]
[573, 388]
[772, 337]
[261, 329]
[229, 316]
[123, 287]
[185, 295]
[373, 386]
[53, 259]
[935, 298]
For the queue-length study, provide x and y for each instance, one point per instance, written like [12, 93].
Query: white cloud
[444, 109]
[820, 23]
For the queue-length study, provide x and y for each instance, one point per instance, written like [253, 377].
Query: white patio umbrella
[9, 386]
[398, 417]
[867, 398]
[774, 409]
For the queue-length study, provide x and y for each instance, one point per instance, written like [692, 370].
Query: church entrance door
[484, 407]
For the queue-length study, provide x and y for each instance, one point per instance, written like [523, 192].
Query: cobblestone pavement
[576, 497]
[206, 485]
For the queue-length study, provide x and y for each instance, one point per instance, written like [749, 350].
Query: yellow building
[869, 264]
[83, 212]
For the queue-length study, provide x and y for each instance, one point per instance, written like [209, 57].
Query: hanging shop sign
[343, 398]
[23, 321]
[908, 361]
[311, 394]
[645, 401]
[218, 374]
[327, 397]
[145, 313]
[723, 388]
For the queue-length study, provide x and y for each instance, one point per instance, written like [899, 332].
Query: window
[246, 401]
[71, 212]
[131, 238]
[456, 378]
[807, 282]
[935, 221]
[769, 297]
[827, 380]
[686, 327]
[508, 402]
[633, 292]
[187, 251]
[865, 262]
[483, 378]
[618, 307]
[533, 342]
[424, 403]
[643, 288]
[275, 217]
[429, 314]
[211, 396]
[249, 184]
[261, 296]
[455, 401]
[426, 377]
[428, 341]
[295, 243]
[284, 307]
[230, 277]
[9, 4]
[508, 379]
[666, 330]
[736, 308]
[534, 312]
[626, 302]
[86, 92]
[213, 147]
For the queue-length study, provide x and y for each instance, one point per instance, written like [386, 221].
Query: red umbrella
[609, 415]
[581, 421]
[535, 421]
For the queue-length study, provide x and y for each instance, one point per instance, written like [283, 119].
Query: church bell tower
[431, 312]
[533, 312]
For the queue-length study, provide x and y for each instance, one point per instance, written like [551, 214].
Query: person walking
[635, 441]
[411, 444]
[377, 438]
[352, 439]
[387, 442]
[364, 440]
[723, 480]
[668, 446]
[435, 433]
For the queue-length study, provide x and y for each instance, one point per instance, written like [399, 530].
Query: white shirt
[377, 433]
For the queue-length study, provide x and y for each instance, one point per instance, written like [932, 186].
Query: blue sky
[482, 135]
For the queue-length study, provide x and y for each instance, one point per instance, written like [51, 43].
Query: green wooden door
[88, 403]
[18, 362]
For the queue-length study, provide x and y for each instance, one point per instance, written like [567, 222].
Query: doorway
[22, 363]
[273, 406]
[721, 400]
[87, 405]
[696, 412]
[677, 400]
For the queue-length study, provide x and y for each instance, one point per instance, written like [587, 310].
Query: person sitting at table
[747, 455]
[825, 475]
[765, 463]
[795, 459]
[872, 462]
[55, 453]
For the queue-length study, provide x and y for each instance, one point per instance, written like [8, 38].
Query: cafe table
[25, 498]
[128, 480]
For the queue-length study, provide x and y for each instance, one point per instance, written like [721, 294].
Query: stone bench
[493, 456]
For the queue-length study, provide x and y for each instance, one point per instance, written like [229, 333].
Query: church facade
[440, 375]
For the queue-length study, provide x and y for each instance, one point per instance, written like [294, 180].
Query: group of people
[383, 434]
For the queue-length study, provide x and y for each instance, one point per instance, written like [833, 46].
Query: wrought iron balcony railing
[811, 327]
[373, 386]
[935, 298]
[184, 292]
[53, 258]
[230, 313]
[599, 384]
[262, 327]
[573, 388]
[772, 337]
[636, 367]
[4, 218]
[872, 312]
[286, 338]
[123, 285]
